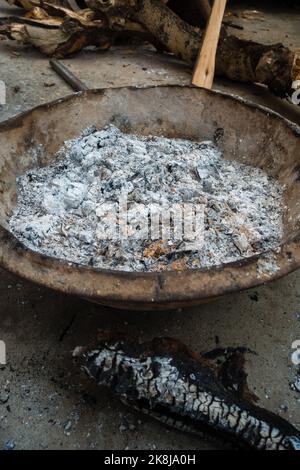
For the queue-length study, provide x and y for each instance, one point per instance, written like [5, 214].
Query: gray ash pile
[72, 210]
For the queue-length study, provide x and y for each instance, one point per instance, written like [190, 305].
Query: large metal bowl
[244, 131]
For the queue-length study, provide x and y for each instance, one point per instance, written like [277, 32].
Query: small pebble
[10, 445]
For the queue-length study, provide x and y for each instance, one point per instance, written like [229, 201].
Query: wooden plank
[205, 65]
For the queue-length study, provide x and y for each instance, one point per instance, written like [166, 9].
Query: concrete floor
[45, 401]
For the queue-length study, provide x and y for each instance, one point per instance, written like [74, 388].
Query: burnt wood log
[167, 381]
[67, 31]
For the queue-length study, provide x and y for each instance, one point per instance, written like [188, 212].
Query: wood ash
[64, 210]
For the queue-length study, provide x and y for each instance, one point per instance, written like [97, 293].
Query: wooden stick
[205, 65]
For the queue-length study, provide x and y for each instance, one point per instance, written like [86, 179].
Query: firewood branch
[204, 8]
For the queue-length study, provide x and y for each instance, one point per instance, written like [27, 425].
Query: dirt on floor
[45, 400]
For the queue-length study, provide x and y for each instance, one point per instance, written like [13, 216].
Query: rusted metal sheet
[244, 131]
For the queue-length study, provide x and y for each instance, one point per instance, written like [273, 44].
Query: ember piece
[167, 381]
[98, 203]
